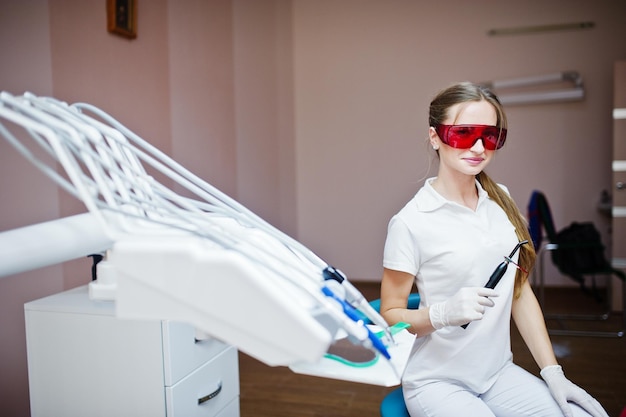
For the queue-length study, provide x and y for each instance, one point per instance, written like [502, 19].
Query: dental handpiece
[498, 273]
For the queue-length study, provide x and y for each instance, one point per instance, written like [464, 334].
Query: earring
[435, 147]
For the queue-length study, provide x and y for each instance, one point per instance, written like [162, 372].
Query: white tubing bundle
[175, 257]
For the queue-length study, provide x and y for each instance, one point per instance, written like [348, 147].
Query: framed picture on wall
[122, 17]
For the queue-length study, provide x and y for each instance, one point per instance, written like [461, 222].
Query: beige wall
[311, 113]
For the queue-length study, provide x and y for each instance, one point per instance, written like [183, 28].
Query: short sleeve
[400, 252]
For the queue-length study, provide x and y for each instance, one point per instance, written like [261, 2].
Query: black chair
[577, 251]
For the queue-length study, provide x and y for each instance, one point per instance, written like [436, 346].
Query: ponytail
[527, 252]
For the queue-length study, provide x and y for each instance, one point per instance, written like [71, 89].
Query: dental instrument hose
[349, 311]
[354, 297]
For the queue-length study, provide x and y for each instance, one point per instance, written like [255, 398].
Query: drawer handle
[212, 395]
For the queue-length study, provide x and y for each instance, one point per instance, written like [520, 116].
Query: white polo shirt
[447, 246]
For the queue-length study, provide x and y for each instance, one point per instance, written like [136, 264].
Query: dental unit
[206, 260]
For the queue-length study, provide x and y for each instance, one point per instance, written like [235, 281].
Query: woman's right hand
[467, 305]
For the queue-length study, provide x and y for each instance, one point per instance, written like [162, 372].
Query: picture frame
[122, 18]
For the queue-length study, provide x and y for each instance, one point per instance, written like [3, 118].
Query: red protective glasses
[465, 136]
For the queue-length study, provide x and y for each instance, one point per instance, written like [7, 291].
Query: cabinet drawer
[208, 390]
[231, 410]
[182, 353]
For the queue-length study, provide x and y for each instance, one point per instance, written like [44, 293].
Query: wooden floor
[598, 364]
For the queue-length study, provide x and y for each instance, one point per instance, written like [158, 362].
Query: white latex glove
[467, 305]
[563, 390]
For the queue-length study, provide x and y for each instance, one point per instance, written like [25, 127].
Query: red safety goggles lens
[465, 136]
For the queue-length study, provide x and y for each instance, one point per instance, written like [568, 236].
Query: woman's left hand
[563, 390]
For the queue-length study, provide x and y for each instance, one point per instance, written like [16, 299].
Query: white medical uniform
[447, 246]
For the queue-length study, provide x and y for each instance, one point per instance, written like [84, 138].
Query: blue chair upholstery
[393, 403]
[413, 302]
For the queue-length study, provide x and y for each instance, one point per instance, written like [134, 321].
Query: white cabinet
[83, 361]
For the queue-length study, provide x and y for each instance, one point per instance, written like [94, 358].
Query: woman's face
[465, 161]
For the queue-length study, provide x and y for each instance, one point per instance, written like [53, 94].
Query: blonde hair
[438, 112]
[527, 253]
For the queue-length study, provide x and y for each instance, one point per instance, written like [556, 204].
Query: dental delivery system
[498, 273]
[205, 260]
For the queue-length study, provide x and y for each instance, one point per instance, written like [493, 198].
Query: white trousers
[516, 393]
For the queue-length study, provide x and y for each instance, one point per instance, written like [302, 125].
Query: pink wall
[264, 110]
[365, 72]
[201, 86]
[25, 65]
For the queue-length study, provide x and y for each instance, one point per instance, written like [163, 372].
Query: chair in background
[579, 258]
[393, 403]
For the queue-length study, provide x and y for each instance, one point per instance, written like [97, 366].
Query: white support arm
[51, 242]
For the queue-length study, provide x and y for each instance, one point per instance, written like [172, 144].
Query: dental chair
[393, 403]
